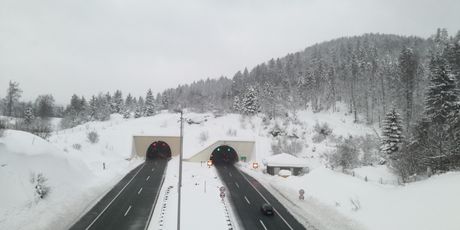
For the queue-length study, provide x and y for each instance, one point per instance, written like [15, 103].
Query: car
[267, 209]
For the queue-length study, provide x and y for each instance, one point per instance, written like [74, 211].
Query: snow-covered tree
[29, 116]
[149, 108]
[126, 114]
[250, 103]
[138, 113]
[392, 133]
[443, 97]
[117, 102]
[408, 66]
[236, 104]
[12, 97]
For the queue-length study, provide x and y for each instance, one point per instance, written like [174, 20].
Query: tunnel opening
[224, 154]
[158, 150]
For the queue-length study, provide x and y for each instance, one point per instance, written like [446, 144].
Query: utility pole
[179, 186]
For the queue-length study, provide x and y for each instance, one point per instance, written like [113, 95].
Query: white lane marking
[263, 225]
[156, 198]
[129, 208]
[230, 174]
[153, 169]
[274, 209]
[97, 217]
[148, 178]
[247, 200]
[139, 192]
[237, 185]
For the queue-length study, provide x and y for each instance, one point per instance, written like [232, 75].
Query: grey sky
[87, 46]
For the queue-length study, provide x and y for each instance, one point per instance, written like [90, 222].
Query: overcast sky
[88, 46]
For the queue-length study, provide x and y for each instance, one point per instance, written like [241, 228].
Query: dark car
[267, 209]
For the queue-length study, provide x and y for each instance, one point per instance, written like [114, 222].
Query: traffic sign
[301, 192]
[301, 197]
[222, 195]
[222, 189]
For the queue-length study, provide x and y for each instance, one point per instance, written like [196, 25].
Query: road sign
[301, 197]
[222, 195]
[222, 189]
[301, 192]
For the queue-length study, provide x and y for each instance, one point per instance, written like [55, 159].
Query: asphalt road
[247, 195]
[130, 204]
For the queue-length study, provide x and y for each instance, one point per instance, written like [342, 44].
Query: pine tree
[138, 113]
[29, 116]
[149, 104]
[126, 114]
[443, 97]
[236, 104]
[408, 66]
[392, 133]
[117, 102]
[250, 103]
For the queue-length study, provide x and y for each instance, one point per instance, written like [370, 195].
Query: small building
[278, 162]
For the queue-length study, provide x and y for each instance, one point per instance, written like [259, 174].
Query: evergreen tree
[392, 133]
[44, 106]
[117, 102]
[250, 103]
[126, 114]
[442, 98]
[13, 94]
[408, 66]
[138, 113]
[29, 116]
[236, 104]
[149, 108]
[129, 102]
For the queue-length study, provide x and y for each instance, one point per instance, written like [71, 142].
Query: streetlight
[179, 185]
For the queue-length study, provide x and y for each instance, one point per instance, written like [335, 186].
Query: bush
[204, 136]
[318, 138]
[76, 146]
[346, 155]
[93, 137]
[39, 127]
[2, 128]
[322, 129]
[39, 183]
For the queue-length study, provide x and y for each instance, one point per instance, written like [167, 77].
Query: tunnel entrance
[158, 150]
[224, 154]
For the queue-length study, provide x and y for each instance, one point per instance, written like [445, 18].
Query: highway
[247, 195]
[130, 204]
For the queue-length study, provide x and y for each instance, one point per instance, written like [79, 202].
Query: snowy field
[74, 169]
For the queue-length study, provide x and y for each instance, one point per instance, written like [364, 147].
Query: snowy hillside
[74, 169]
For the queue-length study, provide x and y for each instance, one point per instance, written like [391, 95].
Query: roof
[285, 160]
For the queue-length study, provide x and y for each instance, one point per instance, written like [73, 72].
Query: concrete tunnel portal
[224, 154]
[158, 150]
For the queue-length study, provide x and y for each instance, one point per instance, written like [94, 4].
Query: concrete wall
[141, 144]
[243, 149]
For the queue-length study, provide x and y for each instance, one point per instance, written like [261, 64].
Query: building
[277, 162]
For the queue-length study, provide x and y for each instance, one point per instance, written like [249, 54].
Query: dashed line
[148, 178]
[247, 200]
[127, 211]
[263, 225]
[230, 174]
[237, 185]
[139, 192]
[153, 169]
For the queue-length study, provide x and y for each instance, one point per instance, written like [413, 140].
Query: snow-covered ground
[74, 168]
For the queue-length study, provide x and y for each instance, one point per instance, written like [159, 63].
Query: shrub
[204, 136]
[40, 186]
[76, 146]
[93, 137]
[322, 129]
[346, 155]
[318, 138]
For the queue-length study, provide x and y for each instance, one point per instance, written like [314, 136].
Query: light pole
[179, 185]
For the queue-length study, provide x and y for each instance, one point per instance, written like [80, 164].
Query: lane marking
[105, 209]
[127, 211]
[153, 169]
[156, 198]
[139, 192]
[263, 197]
[230, 174]
[263, 225]
[237, 185]
[148, 178]
[247, 200]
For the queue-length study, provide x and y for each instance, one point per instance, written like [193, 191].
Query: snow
[285, 160]
[77, 179]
